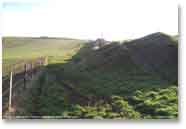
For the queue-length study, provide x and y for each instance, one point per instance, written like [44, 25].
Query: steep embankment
[131, 80]
[156, 53]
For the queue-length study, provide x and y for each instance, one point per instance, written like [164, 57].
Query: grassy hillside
[115, 81]
[17, 49]
[24, 48]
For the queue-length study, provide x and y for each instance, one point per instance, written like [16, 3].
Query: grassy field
[18, 49]
[80, 82]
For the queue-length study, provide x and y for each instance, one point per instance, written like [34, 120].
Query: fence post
[31, 70]
[10, 93]
[24, 76]
[46, 60]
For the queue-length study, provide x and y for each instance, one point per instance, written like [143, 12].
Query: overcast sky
[88, 19]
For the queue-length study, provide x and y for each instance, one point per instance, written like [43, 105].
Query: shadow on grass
[105, 72]
[91, 77]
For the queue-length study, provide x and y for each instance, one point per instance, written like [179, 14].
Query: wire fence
[19, 75]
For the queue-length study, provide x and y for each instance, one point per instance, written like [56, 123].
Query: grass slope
[80, 82]
[17, 49]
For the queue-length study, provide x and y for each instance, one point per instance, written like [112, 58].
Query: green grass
[20, 48]
[115, 89]
[100, 84]
[17, 49]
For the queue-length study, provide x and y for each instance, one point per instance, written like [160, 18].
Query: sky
[88, 19]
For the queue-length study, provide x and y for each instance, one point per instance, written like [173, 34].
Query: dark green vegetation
[130, 80]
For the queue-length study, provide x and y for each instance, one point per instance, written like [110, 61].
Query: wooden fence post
[24, 76]
[31, 70]
[10, 93]
[46, 60]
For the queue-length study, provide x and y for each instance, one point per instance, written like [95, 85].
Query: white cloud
[116, 19]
